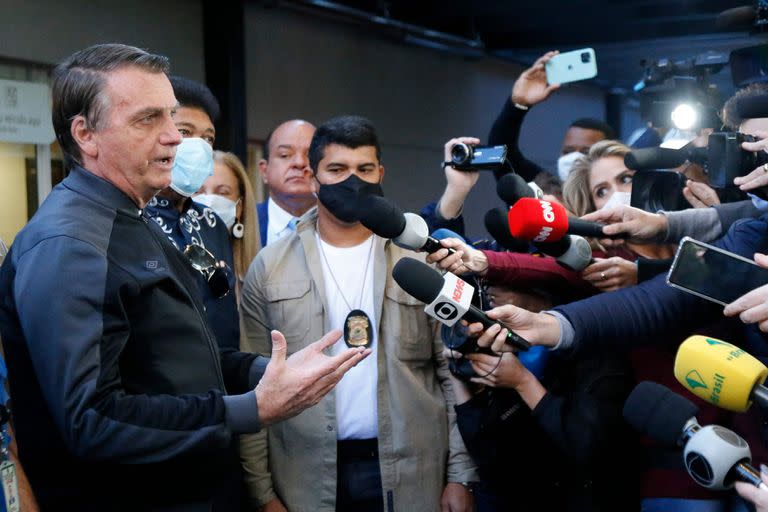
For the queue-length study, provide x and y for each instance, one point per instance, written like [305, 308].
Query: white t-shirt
[356, 413]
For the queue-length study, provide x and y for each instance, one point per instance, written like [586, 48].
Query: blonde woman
[598, 180]
[228, 192]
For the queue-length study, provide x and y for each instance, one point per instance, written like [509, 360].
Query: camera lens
[461, 154]
[585, 57]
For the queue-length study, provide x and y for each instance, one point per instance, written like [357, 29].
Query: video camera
[723, 160]
[477, 158]
[678, 93]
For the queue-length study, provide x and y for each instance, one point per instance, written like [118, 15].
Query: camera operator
[704, 224]
[530, 89]
[569, 411]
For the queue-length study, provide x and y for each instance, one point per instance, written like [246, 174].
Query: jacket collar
[100, 191]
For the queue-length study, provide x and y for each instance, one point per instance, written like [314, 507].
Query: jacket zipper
[211, 344]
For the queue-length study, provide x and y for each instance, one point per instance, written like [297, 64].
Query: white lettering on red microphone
[458, 290]
[549, 214]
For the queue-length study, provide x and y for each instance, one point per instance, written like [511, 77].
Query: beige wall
[13, 192]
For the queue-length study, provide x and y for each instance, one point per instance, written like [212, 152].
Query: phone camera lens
[585, 57]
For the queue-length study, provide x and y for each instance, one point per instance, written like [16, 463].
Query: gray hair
[78, 86]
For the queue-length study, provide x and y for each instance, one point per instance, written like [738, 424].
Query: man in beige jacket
[386, 437]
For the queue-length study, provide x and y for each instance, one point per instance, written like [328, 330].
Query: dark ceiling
[622, 32]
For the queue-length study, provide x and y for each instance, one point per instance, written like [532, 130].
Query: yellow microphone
[721, 373]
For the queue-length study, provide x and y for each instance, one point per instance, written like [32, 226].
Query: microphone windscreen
[537, 220]
[418, 279]
[647, 159]
[512, 187]
[752, 107]
[381, 216]
[718, 372]
[497, 225]
[742, 17]
[655, 411]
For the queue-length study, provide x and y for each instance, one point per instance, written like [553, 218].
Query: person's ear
[381, 174]
[263, 171]
[84, 137]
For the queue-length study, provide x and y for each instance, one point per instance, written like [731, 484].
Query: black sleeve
[506, 130]
[583, 414]
[647, 269]
[241, 370]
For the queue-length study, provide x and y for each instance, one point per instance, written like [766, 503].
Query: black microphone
[714, 456]
[448, 297]
[752, 107]
[387, 220]
[646, 159]
[512, 187]
[497, 225]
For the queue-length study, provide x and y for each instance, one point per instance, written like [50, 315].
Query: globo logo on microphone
[452, 302]
[718, 372]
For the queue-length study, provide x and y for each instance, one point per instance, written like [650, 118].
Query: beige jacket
[420, 448]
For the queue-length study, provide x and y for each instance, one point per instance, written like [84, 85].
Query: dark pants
[358, 487]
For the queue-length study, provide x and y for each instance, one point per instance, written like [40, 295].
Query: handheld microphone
[497, 225]
[714, 456]
[721, 373]
[572, 252]
[512, 187]
[646, 159]
[387, 220]
[448, 298]
[545, 221]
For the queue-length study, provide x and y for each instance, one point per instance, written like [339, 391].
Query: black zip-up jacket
[118, 386]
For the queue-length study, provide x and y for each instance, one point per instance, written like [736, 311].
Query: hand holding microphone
[546, 221]
[448, 298]
[465, 259]
[759, 177]
[638, 226]
[608, 274]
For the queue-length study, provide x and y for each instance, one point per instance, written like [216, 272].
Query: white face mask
[565, 164]
[223, 207]
[618, 199]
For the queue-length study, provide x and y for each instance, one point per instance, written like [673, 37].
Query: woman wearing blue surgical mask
[229, 194]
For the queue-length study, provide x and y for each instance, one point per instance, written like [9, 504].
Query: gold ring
[602, 276]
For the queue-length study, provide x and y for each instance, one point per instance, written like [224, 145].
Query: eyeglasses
[213, 271]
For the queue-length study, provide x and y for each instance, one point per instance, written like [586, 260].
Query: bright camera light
[684, 116]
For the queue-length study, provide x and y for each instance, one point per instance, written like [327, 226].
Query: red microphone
[544, 221]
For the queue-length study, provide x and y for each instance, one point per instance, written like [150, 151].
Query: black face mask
[342, 198]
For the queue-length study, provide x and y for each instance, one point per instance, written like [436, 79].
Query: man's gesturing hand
[292, 384]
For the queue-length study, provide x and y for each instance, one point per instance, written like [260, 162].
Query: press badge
[10, 487]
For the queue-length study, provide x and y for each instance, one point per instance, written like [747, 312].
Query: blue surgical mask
[192, 165]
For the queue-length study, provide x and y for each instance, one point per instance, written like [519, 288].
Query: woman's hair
[243, 249]
[577, 195]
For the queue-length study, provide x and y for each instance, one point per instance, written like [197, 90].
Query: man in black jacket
[119, 395]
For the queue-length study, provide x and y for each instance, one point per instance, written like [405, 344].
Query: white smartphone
[571, 66]
[712, 273]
